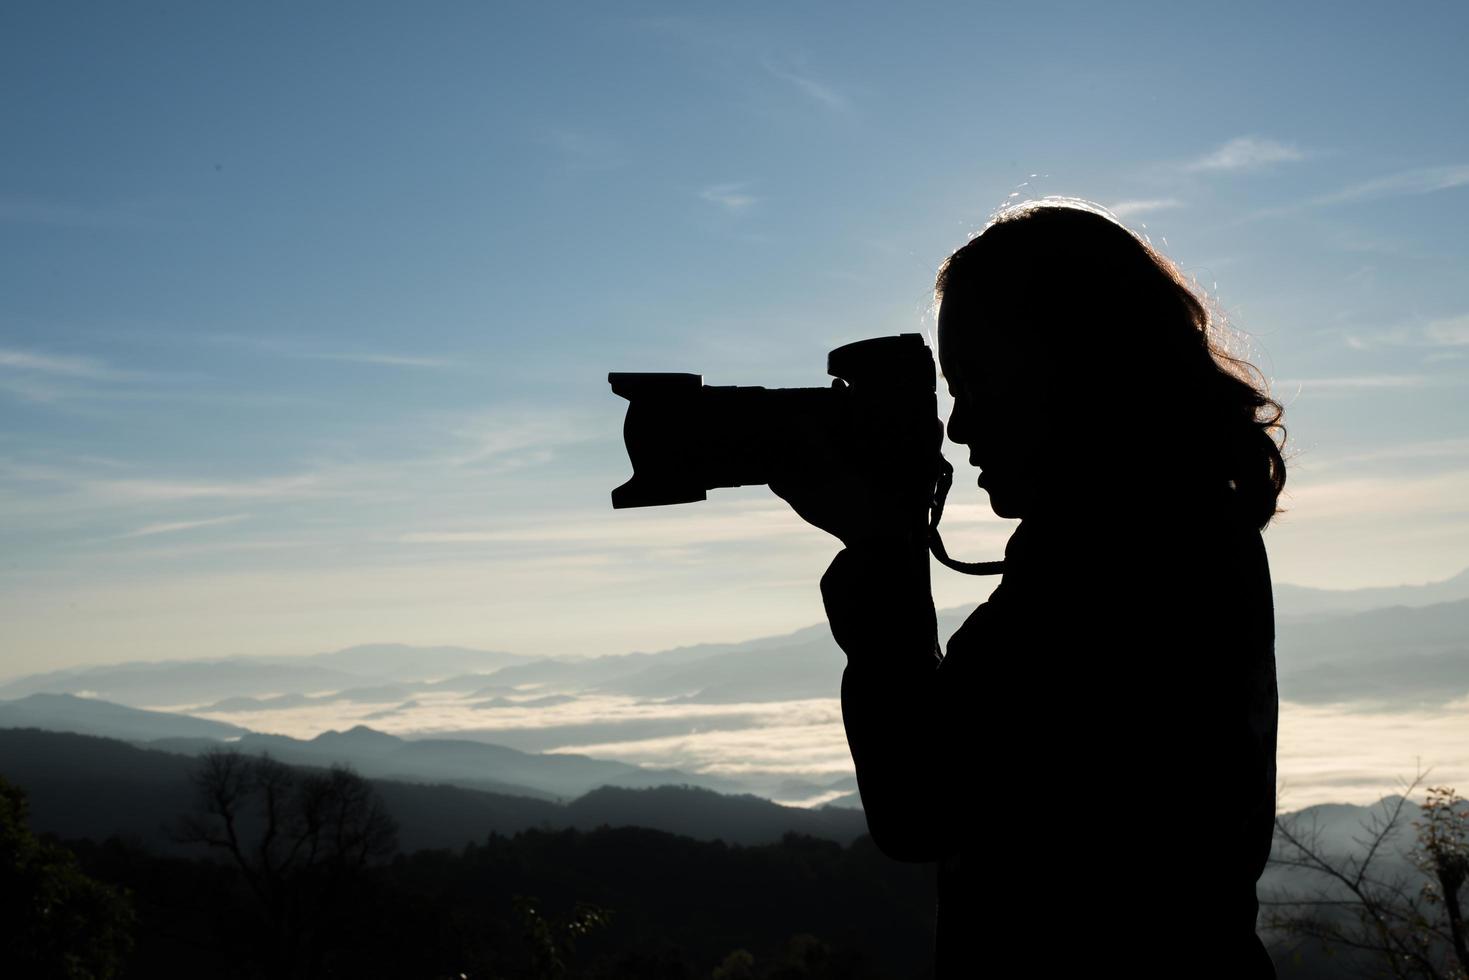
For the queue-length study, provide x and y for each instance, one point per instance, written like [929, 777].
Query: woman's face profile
[984, 404]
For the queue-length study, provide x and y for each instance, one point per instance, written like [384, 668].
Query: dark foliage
[55, 921]
[607, 903]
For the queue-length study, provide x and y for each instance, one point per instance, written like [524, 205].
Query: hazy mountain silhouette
[238, 703]
[539, 738]
[90, 787]
[592, 672]
[390, 712]
[84, 786]
[798, 788]
[801, 664]
[1299, 601]
[403, 662]
[469, 763]
[742, 819]
[363, 668]
[88, 716]
[186, 682]
[1403, 656]
[548, 701]
[379, 694]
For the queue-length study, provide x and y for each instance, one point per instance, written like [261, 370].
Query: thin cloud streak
[1363, 497]
[683, 528]
[1422, 180]
[1246, 153]
[1406, 183]
[1128, 209]
[582, 150]
[52, 364]
[297, 350]
[813, 88]
[388, 360]
[516, 438]
[1428, 449]
[1357, 382]
[731, 196]
[154, 491]
[1449, 332]
[173, 527]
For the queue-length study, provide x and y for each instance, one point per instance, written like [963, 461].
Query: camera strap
[936, 543]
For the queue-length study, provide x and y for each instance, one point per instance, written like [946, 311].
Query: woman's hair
[1063, 284]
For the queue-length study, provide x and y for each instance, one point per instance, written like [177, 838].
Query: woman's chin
[1004, 504]
[1005, 510]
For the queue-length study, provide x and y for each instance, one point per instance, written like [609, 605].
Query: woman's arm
[899, 718]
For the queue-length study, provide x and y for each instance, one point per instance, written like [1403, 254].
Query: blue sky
[306, 313]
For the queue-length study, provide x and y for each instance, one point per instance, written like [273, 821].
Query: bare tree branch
[1415, 929]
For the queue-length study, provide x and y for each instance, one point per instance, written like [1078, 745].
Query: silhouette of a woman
[1092, 763]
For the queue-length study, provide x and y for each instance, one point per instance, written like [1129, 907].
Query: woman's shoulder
[1073, 577]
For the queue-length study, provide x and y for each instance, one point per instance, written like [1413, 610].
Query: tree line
[297, 873]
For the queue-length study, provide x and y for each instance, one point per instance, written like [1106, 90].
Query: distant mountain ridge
[84, 786]
[711, 673]
[177, 682]
[87, 716]
[512, 714]
[468, 763]
[1299, 601]
[1401, 656]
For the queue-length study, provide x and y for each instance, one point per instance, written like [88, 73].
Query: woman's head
[1083, 368]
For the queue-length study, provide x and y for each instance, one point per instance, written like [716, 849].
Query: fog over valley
[1374, 683]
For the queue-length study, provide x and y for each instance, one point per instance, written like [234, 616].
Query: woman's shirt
[1093, 761]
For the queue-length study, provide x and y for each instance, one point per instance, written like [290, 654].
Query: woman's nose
[958, 427]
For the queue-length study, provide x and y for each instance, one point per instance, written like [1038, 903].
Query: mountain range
[81, 786]
[1303, 602]
[470, 764]
[517, 711]
[1404, 654]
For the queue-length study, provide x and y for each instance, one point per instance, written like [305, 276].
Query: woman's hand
[880, 497]
[842, 503]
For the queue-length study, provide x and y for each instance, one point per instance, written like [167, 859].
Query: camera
[880, 415]
[685, 438]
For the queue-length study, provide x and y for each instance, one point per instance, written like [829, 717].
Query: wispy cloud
[1421, 180]
[1246, 153]
[731, 196]
[583, 149]
[1356, 382]
[1128, 209]
[1428, 449]
[386, 360]
[1449, 332]
[512, 438]
[1405, 183]
[50, 379]
[171, 527]
[690, 527]
[1358, 497]
[818, 91]
[1452, 331]
[300, 350]
[155, 491]
[52, 364]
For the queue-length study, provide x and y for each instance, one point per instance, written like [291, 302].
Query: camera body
[685, 438]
